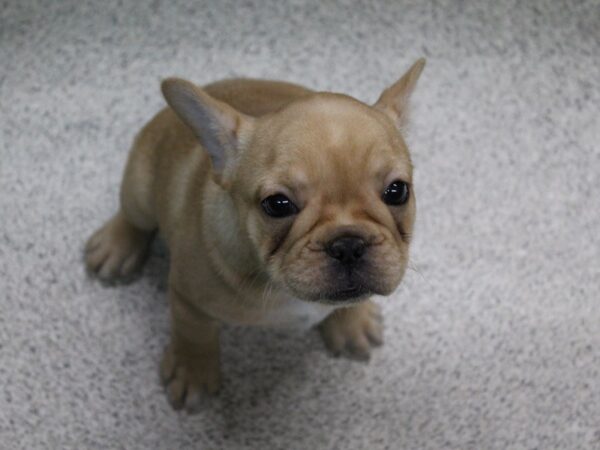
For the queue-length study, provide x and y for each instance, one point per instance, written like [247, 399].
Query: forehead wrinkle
[333, 139]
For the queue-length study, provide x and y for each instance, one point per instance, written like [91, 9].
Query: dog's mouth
[349, 284]
[356, 292]
[351, 291]
[339, 285]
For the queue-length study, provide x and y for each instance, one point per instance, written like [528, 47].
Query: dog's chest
[293, 313]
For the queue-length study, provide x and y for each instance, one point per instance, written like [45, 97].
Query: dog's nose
[347, 249]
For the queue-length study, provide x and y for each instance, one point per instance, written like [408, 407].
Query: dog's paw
[353, 331]
[187, 379]
[116, 250]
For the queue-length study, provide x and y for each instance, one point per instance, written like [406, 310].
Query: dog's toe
[354, 331]
[116, 250]
[187, 383]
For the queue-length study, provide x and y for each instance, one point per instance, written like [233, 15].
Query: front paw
[353, 331]
[187, 378]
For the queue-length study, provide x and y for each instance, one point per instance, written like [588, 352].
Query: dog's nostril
[359, 251]
[347, 249]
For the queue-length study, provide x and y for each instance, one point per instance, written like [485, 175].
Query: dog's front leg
[354, 330]
[190, 366]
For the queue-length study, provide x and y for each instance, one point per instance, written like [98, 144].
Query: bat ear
[216, 124]
[395, 100]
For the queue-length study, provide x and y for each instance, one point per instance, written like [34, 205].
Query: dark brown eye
[278, 206]
[396, 193]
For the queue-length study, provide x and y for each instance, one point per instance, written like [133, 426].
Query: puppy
[279, 206]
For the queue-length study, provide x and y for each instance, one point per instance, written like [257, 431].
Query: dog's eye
[396, 193]
[278, 205]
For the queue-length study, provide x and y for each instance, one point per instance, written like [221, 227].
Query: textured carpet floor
[493, 341]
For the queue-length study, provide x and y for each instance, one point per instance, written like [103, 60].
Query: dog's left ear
[394, 101]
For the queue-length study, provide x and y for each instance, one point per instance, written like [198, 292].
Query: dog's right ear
[394, 101]
[218, 126]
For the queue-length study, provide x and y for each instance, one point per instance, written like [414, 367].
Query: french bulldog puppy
[279, 206]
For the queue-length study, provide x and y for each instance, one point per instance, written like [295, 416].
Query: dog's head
[323, 186]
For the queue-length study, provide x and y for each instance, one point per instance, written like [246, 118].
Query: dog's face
[324, 189]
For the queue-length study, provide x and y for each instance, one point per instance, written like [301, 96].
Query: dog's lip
[348, 293]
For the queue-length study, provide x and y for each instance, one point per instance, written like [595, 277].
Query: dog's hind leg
[119, 248]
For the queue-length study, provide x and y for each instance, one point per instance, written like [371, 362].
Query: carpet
[493, 339]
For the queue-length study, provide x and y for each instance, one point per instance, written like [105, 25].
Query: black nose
[347, 249]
